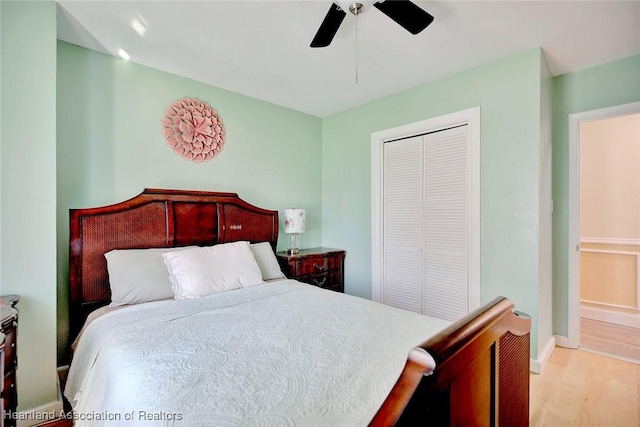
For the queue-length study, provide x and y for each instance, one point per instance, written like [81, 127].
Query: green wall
[110, 147]
[604, 86]
[28, 189]
[545, 250]
[508, 92]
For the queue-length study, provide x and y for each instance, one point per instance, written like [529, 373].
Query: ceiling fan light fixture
[404, 12]
[355, 8]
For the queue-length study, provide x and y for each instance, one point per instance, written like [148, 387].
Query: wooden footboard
[474, 373]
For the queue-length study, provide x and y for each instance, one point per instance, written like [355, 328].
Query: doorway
[604, 247]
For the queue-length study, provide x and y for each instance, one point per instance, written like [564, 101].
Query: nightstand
[322, 267]
[9, 327]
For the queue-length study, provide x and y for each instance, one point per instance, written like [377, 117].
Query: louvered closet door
[402, 224]
[446, 223]
[426, 223]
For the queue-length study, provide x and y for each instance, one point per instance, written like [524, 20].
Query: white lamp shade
[294, 220]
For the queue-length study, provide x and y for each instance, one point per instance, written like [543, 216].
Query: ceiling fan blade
[329, 26]
[411, 17]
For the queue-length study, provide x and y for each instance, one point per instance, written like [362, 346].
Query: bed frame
[476, 372]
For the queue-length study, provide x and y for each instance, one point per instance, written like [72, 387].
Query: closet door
[426, 225]
[446, 223]
[425, 215]
[403, 273]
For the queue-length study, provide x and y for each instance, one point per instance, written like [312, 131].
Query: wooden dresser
[9, 328]
[323, 267]
[2, 340]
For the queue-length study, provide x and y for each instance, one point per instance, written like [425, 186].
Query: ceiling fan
[406, 13]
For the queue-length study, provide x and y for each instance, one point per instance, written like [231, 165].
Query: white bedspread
[278, 354]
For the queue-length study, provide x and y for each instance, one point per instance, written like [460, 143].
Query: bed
[279, 352]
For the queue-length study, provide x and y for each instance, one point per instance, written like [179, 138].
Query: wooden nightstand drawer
[318, 264]
[320, 267]
[314, 279]
[331, 281]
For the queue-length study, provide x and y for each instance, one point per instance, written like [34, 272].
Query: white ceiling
[261, 48]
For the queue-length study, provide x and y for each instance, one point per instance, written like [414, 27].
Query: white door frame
[470, 117]
[573, 334]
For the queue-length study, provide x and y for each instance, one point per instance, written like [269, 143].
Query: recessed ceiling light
[138, 26]
[123, 54]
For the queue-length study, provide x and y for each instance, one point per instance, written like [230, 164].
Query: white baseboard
[562, 341]
[46, 412]
[537, 365]
[610, 316]
[32, 417]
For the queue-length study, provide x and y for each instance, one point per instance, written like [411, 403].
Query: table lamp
[294, 224]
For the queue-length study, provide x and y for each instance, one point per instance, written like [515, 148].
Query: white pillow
[266, 259]
[207, 270]
[138, 275]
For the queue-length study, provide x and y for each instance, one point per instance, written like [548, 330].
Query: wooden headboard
[155, 218]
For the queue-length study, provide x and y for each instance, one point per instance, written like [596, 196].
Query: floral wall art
[193, 129]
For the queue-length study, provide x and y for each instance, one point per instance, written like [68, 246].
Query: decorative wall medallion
[193, 129]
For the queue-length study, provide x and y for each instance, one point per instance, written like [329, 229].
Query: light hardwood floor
[579, 388]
